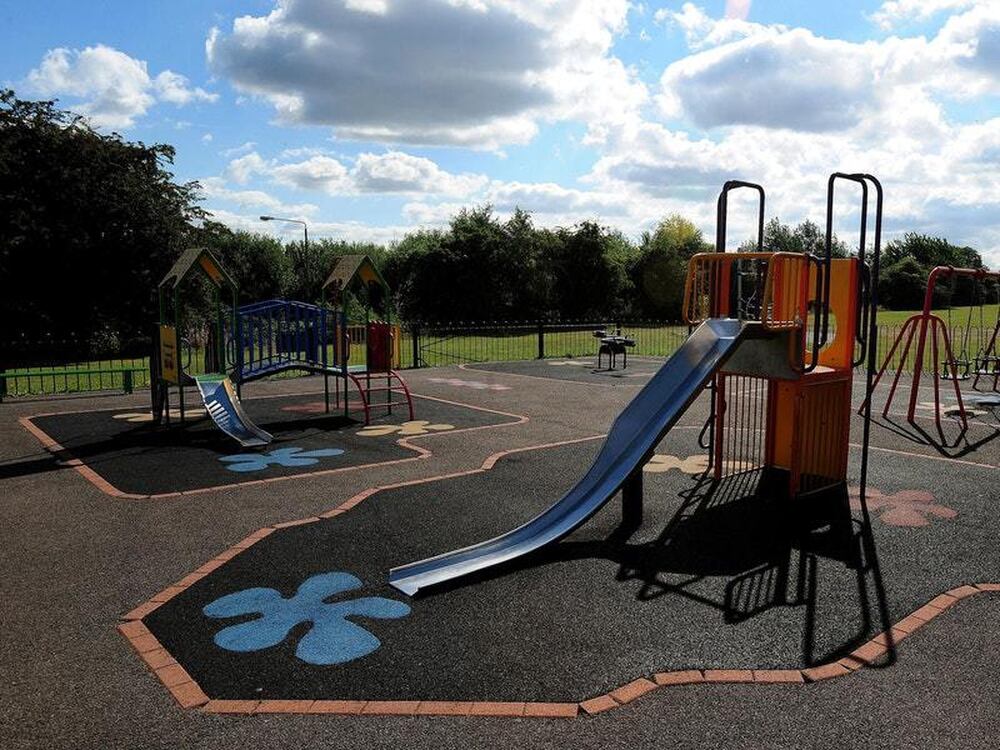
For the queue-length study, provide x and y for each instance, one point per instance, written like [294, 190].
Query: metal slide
[224, 408]
[633, 436]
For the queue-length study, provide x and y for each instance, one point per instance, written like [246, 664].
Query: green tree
[925, 252]
[660, 268]
[590, 279]
[807, 237]
[902, 284]
[88, 225]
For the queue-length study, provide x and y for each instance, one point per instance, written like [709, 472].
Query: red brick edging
[189, 694]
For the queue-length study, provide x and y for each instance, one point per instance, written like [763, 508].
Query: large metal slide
[631, 440]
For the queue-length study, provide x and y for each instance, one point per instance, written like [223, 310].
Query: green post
[541, 340]
[127, 381]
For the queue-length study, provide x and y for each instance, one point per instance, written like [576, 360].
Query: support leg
[632, 500]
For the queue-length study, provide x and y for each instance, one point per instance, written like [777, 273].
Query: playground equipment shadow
[125, 455]
[718, 577]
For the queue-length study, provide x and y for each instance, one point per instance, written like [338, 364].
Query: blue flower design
[332, 639]
[279, 457]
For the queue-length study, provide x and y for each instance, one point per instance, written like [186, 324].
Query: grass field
[486, 344]
[959, 316]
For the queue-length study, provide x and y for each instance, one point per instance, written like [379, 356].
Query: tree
[590, 279]
[807, 237]
[902, 285]
[924, 252]
[258, 263]
[660, 270]
[89, 223]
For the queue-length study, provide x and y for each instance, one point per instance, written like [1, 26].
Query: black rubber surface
[579, 369]
[711, 580]
[74, 560]
[144, 459]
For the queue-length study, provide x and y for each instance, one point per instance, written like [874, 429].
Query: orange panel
[823, 431]
[839, 351]
[784, 405]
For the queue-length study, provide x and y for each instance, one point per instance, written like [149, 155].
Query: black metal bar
[863, 309]
[632, 499]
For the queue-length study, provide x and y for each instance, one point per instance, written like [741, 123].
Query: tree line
[89, 223]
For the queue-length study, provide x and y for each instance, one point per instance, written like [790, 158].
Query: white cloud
[894, 12]
[790, 78]
[396, 172]
[243, 168]
[350, 231]
[773, 79]
[242, 149]
[967, 52]
[321, 173]
[479, 73]
[701, 30]
[552, 199]
[176, 89]
[550, 205]
[215, 189]
[393, 172]
[115, 88]
[766, 103]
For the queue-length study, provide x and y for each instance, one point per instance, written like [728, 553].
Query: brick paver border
[189, 694]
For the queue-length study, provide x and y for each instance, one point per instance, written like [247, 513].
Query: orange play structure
[784, 405]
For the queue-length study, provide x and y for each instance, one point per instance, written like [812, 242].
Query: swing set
[933, 338]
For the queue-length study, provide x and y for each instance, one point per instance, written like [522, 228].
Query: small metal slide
[224, 408]
[632, 438]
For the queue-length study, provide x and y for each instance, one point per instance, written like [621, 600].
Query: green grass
[959, 316]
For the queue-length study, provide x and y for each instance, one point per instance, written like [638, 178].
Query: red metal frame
[365, 390]
[926, 322]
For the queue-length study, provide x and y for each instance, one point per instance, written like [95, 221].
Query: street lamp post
[305, 227]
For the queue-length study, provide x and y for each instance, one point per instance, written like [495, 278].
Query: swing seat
[988, 365]
[963, 369]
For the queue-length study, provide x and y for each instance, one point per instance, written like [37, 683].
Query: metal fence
[457, 343]
[53, 367]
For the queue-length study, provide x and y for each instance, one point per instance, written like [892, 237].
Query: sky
[371, 118]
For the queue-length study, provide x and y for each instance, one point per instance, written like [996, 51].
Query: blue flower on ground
[332, 639]
[279, 457]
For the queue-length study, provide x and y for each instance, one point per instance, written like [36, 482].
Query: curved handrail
[722, 213]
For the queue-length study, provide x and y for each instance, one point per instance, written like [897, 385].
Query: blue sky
[369, 118]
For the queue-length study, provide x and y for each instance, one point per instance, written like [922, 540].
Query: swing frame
[923, 326]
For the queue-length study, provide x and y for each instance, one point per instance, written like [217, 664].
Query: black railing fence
[52, 366]
[432, 345]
